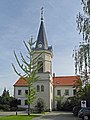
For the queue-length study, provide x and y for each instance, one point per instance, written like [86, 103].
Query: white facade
[65, 92]
[20, 95]
[48, 95]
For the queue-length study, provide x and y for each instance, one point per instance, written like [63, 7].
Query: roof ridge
[65, 76]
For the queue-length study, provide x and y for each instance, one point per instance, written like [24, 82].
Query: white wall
[62, 88]
[46, 95]
[21, 97]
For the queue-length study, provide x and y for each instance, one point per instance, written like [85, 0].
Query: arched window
[42, 88]
[40, 65]
[38, 88]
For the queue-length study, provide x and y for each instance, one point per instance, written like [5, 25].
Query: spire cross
[42, 13]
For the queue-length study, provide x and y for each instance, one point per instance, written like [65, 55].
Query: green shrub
[40, 105]
[4, 107]
[59, 105]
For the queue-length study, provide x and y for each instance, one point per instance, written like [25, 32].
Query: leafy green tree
[5, 93]
[5, 100]
[5, 97]
[69, 103]
[86, 6]
[78, 88]
[29, 67]
[82, 53]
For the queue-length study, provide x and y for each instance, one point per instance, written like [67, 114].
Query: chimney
[53, 74]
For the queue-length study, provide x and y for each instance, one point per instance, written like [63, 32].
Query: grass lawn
[18, 117]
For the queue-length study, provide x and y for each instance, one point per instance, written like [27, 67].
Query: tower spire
[42, 42]
[42, 13]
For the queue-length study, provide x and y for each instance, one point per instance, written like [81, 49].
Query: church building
[49, 86]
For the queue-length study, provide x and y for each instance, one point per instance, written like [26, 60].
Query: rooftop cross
[42, 13]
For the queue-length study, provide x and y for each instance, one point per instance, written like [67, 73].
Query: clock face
[40, 45]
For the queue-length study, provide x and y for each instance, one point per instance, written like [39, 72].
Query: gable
[21, 83]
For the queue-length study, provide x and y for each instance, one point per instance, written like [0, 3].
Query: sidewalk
[12, 113]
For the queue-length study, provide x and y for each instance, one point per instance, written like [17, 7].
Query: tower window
[40, 64]
[42, 88]
[38, 88]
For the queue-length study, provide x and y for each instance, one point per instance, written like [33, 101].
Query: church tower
[45, 85]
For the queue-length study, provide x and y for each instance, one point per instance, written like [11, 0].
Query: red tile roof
[21, 83]
[57, 81]
[65, 80]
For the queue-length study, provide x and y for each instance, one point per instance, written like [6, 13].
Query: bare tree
[29, 67]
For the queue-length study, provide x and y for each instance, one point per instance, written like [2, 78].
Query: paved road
[57, 116]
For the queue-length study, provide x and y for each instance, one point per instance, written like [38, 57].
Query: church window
[66, 91]
[19, 92]
[42, 88]
[26, 102]
[58, 92]
[38, 88]
[19, 102]
[26, 91]
[40, 64]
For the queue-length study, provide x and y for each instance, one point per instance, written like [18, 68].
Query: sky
[20, 19]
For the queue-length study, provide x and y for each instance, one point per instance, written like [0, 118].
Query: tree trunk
[28, 108]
